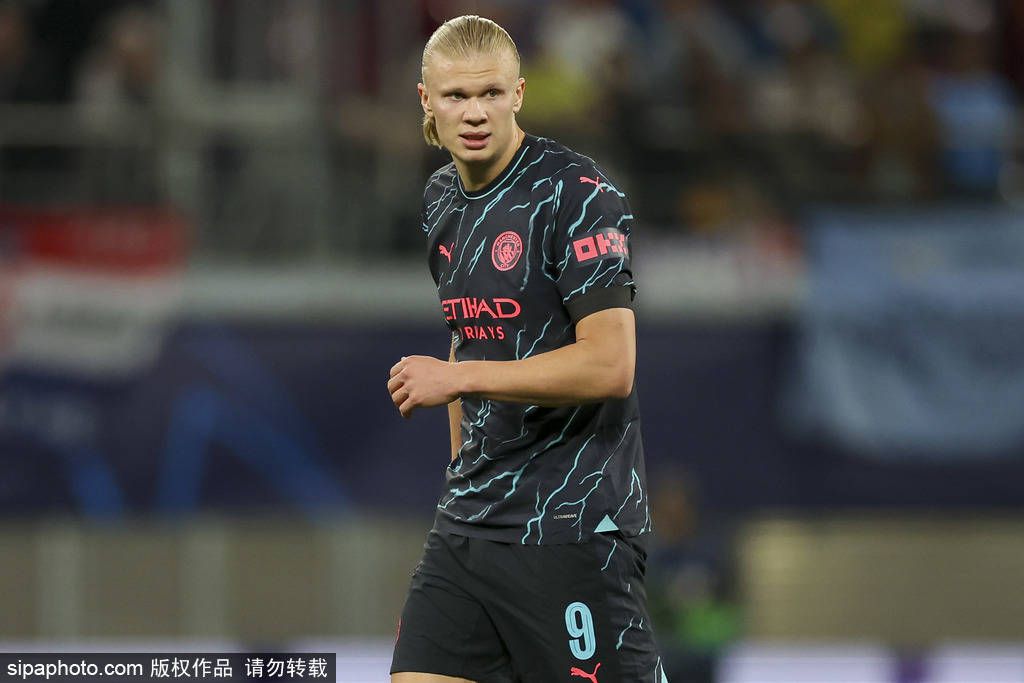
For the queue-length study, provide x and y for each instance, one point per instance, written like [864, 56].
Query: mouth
[475, 140]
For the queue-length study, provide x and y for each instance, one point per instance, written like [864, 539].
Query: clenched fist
[421, 382]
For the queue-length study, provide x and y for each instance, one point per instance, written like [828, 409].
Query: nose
[474, 112]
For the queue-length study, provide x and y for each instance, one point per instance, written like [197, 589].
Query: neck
[477, 177]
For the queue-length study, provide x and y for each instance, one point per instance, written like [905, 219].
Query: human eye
[493, 92]
[456, 95]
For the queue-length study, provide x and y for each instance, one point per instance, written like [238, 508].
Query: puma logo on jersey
[446, 251]
[595, 181]
[575, 671]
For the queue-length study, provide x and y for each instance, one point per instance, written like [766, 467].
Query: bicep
[609, 337]
[613, 330]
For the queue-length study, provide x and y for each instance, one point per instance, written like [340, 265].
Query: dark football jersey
[517, 264]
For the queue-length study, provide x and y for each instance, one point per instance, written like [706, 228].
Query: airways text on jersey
[516, 265]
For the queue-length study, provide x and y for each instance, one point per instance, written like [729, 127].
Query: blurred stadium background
[210, 257]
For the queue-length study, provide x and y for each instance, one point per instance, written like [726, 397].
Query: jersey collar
[528, 141]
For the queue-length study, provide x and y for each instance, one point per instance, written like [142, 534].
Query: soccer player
[534, 570]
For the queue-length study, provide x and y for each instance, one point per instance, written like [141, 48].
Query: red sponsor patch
[606, 243]
[507, 248]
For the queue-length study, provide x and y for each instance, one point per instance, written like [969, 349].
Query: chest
[492, 246]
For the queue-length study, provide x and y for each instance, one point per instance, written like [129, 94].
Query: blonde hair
[463, 37]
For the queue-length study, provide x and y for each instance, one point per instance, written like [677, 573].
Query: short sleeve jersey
[517, 264]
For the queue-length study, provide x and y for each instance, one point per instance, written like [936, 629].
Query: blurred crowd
[714, 113]
[93, 53]
[101, 59]
[719, 110]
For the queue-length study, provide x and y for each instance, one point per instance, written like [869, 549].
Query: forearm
[596, 367]
[455, 417]
[455, 425]
[581, 372]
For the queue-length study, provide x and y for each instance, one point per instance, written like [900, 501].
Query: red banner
[125, 240]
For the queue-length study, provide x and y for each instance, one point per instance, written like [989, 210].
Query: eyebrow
[461, 91]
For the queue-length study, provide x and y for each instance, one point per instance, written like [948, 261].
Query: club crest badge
[507, 248]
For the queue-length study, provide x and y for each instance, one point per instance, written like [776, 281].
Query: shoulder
[579, 174]
[440, 181]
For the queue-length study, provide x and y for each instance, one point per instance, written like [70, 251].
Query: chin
[473, 155]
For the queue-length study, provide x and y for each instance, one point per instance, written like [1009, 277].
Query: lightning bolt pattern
[532, 474]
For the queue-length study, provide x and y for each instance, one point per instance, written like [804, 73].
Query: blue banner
[911, 340]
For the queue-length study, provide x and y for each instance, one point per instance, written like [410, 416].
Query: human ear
[520, 90]
[424, 98]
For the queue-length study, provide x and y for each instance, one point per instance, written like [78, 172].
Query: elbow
[621, 382]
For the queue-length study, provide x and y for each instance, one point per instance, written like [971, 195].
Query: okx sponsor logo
[605, 243]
